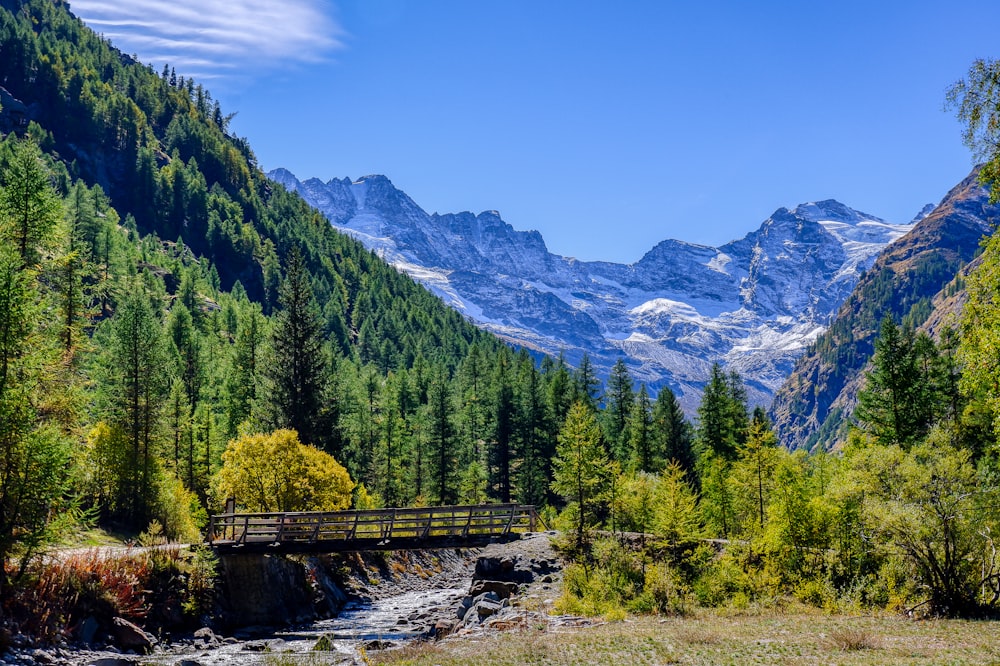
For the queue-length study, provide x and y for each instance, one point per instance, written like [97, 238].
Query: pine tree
[34, 458]
[672, 433]
[618, 406]
[536, 437]
[581, 469]
[586, 385]
[244, 368]
[894, 405]
[503, 421]
[29, 207]
[716, 430]
[137, 381]
[441, 439]
[644, 455]
[297, 373]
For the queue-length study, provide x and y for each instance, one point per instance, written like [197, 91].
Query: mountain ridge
[752, 304]
[820, 393]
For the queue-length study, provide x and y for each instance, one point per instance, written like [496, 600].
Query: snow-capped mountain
[753, 304]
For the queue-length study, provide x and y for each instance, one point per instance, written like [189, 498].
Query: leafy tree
[929, 506]
[276, 472]
[976, 101]
[580, 469]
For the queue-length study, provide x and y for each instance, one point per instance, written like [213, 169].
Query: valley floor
[707, 637]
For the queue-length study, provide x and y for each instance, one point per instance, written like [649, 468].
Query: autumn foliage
[276, 472]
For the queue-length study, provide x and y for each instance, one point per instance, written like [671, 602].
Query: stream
[396, 618]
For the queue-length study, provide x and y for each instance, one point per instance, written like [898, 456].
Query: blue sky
[606, 126]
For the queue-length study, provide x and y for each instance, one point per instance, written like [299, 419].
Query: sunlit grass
[722, 638]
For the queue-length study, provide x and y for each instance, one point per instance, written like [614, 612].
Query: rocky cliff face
[811, 409]
[753, 304]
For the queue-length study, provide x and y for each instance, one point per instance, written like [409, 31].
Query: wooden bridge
[374, 529]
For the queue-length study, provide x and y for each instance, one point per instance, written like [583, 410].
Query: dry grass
[799, 637]
[847, 639]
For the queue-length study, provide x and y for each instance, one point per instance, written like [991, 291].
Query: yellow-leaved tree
[276, 472]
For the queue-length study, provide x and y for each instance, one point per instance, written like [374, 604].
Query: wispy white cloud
[214, 38]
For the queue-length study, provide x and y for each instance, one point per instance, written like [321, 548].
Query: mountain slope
[821, 391]
[753, 304]
[160, 149]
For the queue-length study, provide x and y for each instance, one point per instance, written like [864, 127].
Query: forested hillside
[170, 307]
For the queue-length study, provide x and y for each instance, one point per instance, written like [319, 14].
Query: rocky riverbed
[390, 600]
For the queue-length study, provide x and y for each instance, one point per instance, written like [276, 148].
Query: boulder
[503, 589]
[113, 661]
[205, 637]
[487, 607]
[129, 636]
[442, 628]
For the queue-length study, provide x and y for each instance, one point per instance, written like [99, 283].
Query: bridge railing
[371, 527]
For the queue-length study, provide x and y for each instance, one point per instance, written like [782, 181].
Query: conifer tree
[716, 429]
[245, 367]
[297, 372]
[672, 432]
[644, 455]
[536, 438]
[581, 469]
[441, 438]
[34, 457]
[586, 385]
[894, 405]
[137, 382]
[503, 420]
[29, 207]
[618, 406]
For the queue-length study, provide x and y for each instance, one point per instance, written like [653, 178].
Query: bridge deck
[374, 529]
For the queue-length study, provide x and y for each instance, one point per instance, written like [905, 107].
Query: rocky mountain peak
[753, 304]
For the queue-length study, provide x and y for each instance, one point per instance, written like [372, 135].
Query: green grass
[93, 537]
[799, 637]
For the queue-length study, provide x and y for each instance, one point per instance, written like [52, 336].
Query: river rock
[42, 657]
[113, 661]
[442, 628]
[487, 607]
[503, 589]
[205, 637]
[129, 636]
